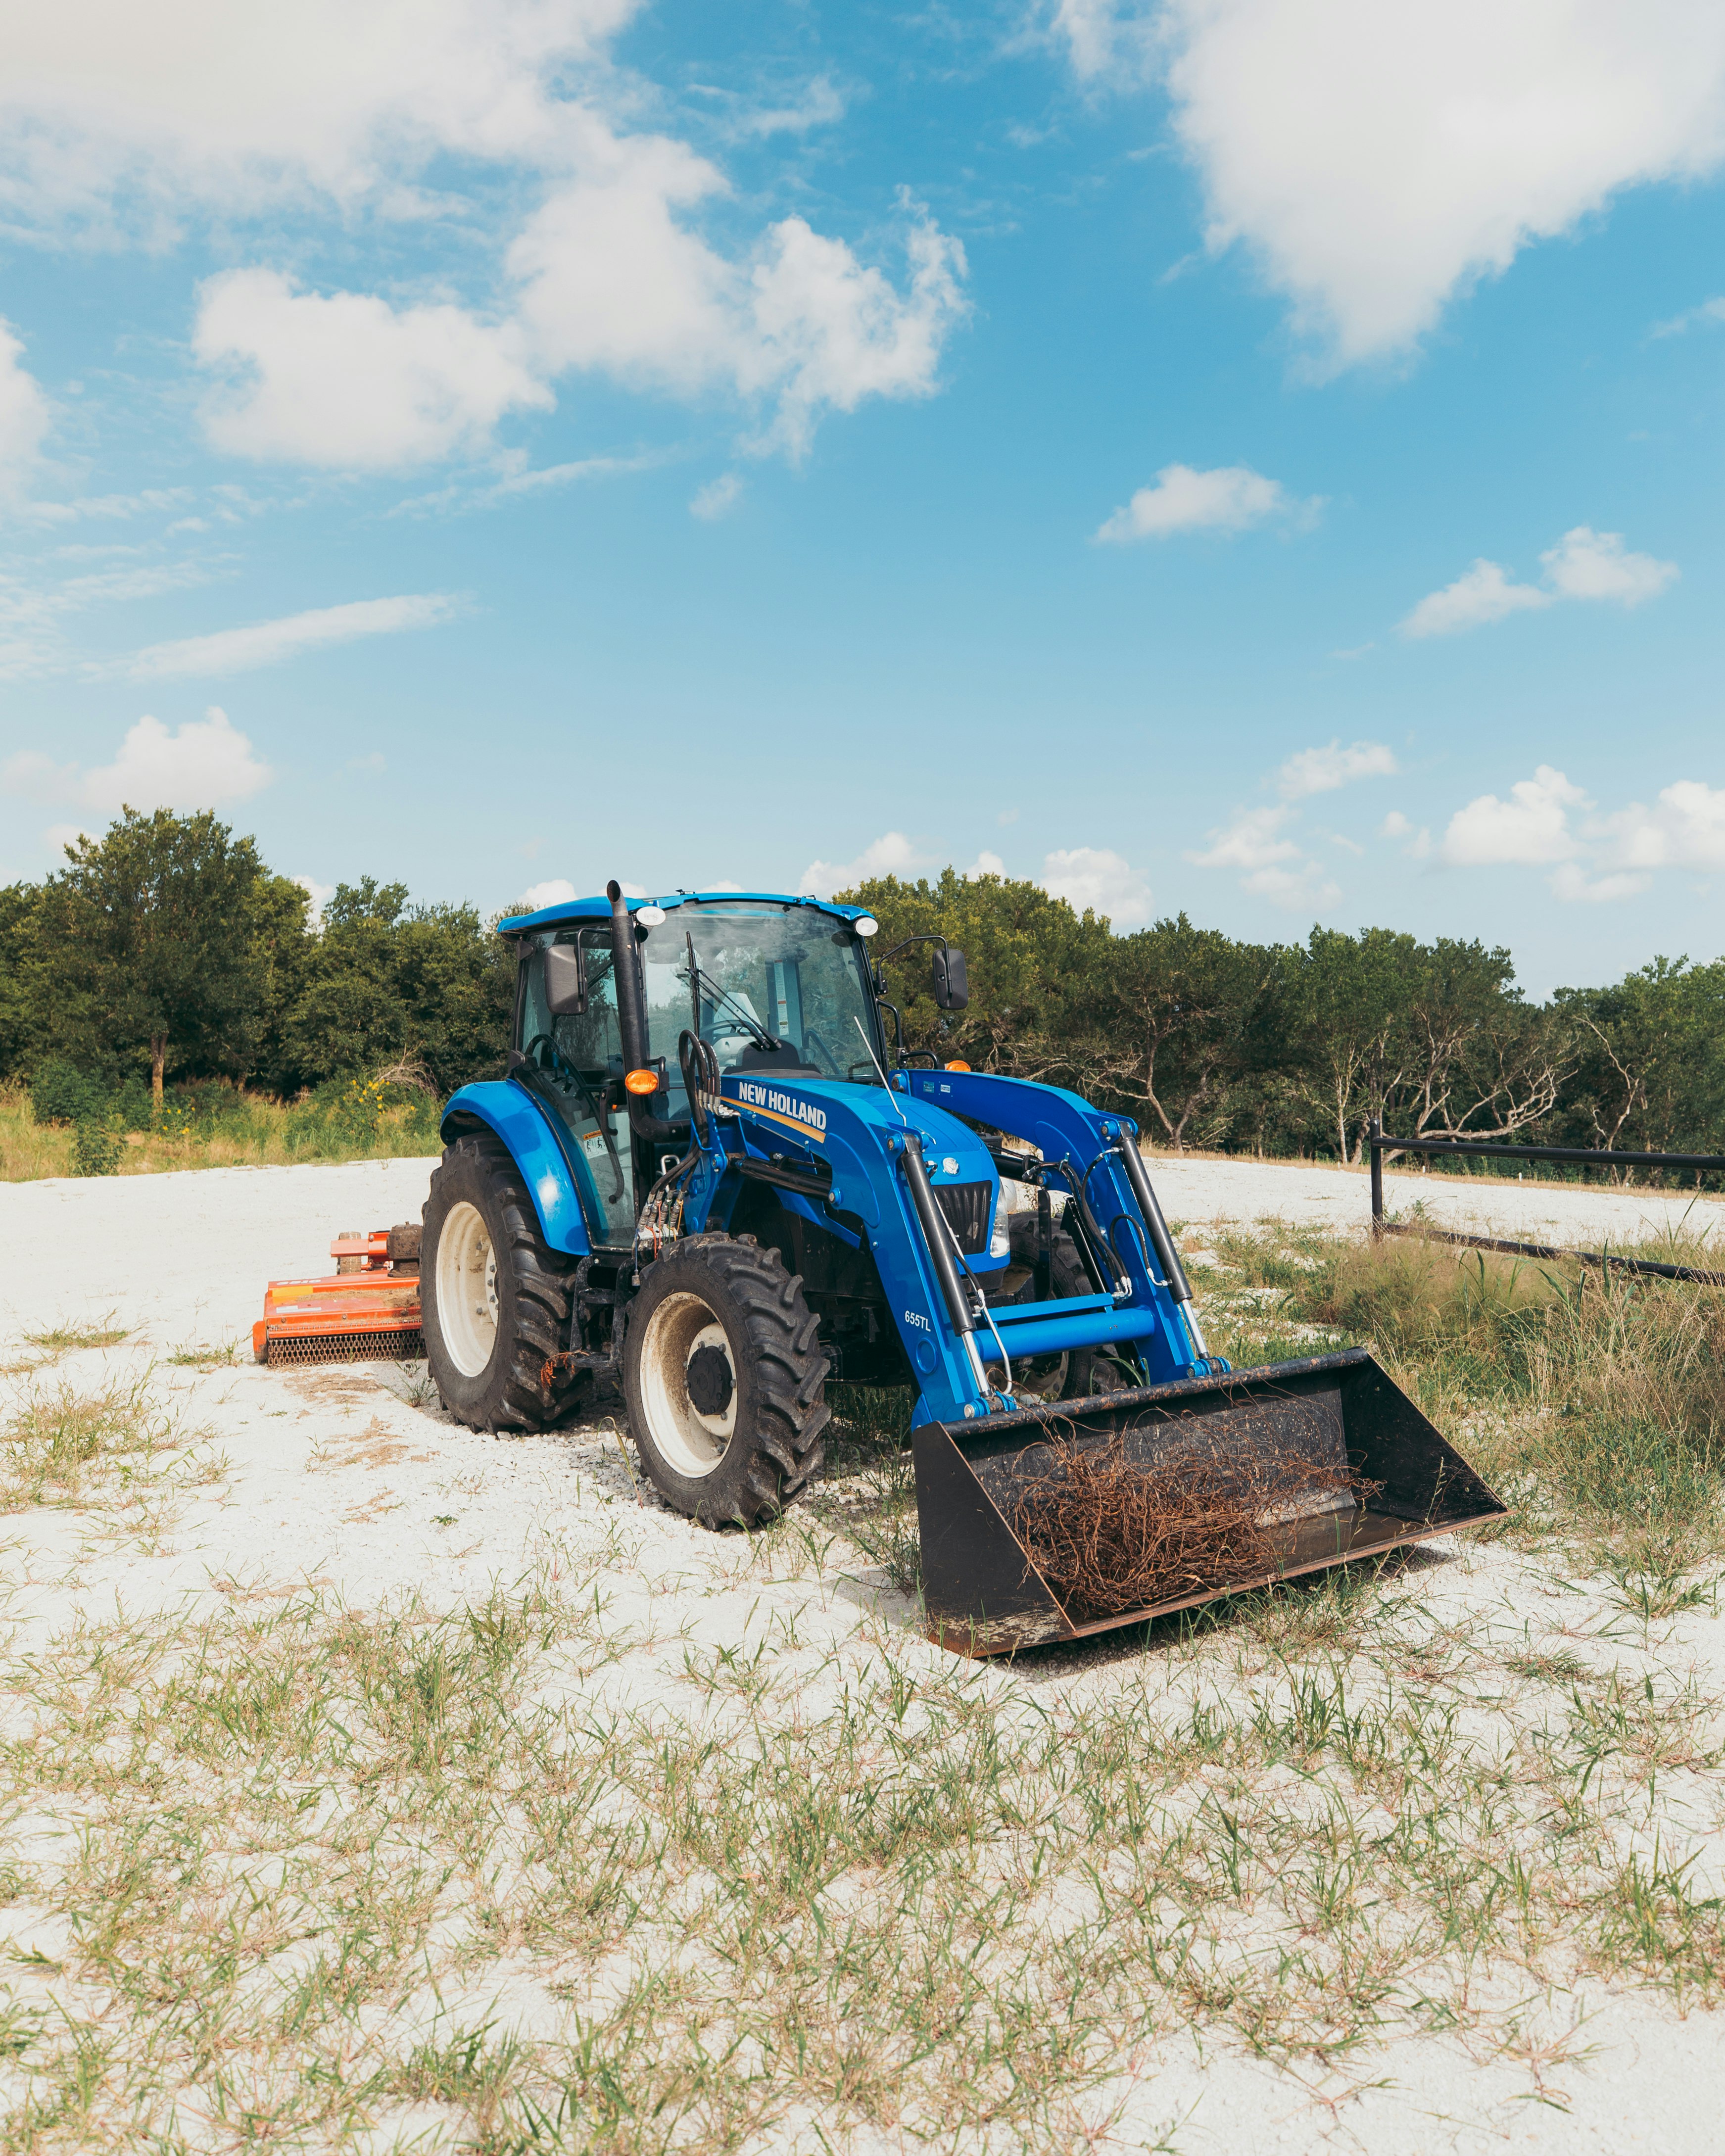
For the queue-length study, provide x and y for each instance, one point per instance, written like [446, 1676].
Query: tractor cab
[777, 988]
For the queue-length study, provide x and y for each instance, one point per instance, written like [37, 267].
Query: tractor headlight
[1000, 1242]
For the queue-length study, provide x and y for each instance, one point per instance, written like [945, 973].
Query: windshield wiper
[700, 980]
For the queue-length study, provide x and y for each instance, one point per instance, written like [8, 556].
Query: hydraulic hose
[1166, 1256]
[1173, 1271]
[934, 1235]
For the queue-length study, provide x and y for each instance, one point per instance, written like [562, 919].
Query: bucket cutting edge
[1376, 1474]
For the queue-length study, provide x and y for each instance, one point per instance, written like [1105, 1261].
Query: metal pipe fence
[1595, 1157]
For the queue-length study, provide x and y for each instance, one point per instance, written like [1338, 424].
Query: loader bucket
[1056, 1521]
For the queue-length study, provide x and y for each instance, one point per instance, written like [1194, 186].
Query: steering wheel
[552, 1060]
[814, 1046]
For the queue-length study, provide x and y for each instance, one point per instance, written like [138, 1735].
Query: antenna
[875, 1060]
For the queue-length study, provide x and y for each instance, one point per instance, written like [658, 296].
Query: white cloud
[1322, 770]
[719, 495]
[346, 381]
[1484, 593]
[1709, 312]
[1232, 498]
[1271, 865]
[24, 416]
[267, 643]
[820, 105]
[1104, 38]
[1415, 844]
[985, 865]
[1549, 822]
[1586, 564]
[1685, 829]
[1573, 885]
[319, 895]
[832, 332]
[892, 854]
[206, 764]
[118, 115]
[1532, 827]
[59, 836]
[1096, 879]
[1376, 157]
[554, 891]
[504, 124]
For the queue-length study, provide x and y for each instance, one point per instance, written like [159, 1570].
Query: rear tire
[493, 1297]
[725, 1380]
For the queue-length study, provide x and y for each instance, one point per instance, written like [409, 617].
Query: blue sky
[1259, 458]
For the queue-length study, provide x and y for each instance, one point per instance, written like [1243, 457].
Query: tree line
[166, 951]
[1293, 1048]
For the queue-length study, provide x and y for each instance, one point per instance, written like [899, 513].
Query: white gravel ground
[334, 1476]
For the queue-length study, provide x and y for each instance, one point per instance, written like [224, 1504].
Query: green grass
[74, 1339]
[768, 1870]
[220, 1125]
[879, 1889]
[1594, 1401]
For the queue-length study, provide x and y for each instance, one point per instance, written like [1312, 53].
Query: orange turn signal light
[642, 1081]
[958, 1066]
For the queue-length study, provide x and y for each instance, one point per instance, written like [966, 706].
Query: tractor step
[1057, 1522]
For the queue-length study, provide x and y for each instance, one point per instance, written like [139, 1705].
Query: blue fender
[524, 1127]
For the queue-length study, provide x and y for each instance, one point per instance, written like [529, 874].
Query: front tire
[725, 1380]
[493, 1297]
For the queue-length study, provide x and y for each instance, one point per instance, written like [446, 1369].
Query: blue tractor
[710, 1174]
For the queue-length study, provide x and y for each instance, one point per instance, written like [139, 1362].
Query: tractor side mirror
[952, 984]
[565, 981]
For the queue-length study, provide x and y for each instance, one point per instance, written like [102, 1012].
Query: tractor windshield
[774, 987]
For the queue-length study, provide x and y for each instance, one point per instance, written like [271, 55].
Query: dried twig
[1108, 1535]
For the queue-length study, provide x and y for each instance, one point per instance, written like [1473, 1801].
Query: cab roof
[568, 910]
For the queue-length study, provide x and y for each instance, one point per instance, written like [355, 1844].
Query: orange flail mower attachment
[369, 1306]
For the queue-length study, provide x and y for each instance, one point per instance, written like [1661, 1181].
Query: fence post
[1375, 1133]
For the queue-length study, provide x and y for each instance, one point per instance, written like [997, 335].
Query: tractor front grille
[965, 1206]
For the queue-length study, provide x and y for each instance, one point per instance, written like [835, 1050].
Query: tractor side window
[574, 1059]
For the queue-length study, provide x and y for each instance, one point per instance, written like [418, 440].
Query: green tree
[1187, 1015]
[386, 984]
[1036, 971]
[150, 930]
[1649, 1061]
[25, 1003]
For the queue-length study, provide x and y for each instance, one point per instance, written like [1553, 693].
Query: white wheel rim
[690, 1442]
[467, 1290]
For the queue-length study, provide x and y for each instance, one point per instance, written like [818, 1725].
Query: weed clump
[1108, 1535]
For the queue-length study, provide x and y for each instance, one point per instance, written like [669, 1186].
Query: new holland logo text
[785, 1108]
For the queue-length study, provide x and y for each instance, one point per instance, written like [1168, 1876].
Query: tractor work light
[642, 1081]
[650, 917]
[866, 925]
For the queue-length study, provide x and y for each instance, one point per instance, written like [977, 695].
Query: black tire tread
[544, 1292]
[790, 1365]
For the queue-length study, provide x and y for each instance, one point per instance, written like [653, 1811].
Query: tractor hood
[849, 1128]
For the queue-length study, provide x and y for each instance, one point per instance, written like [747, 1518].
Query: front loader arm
[1155, 1318]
